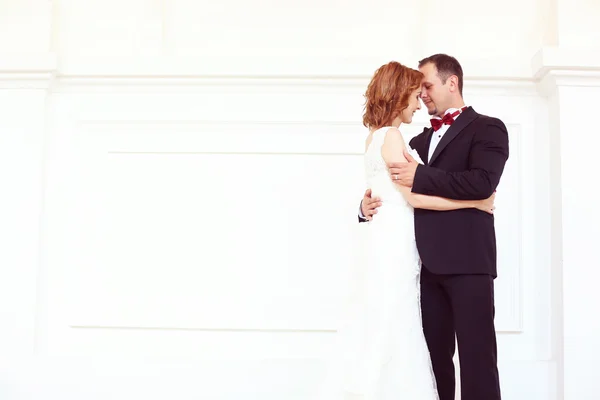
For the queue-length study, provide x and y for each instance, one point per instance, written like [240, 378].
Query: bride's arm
[393, 151]
[444, 204]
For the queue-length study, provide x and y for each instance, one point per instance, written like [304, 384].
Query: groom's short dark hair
[446, 66]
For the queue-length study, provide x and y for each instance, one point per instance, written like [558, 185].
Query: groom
[464, 154]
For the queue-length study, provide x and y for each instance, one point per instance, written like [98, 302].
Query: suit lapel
[467, 116]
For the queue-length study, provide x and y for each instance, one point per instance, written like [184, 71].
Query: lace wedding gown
[382, 353]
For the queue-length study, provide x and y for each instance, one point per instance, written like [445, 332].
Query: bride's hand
[487, 205]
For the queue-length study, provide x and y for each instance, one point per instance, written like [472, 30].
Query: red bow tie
[448, 119]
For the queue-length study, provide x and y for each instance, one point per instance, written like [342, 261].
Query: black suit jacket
[467, 165]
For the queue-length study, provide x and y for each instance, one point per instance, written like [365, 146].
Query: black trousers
[461, 305]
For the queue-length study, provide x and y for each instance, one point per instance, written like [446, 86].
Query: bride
[382, 353]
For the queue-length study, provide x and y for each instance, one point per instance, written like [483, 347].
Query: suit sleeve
[489, 152]
[361, 217]
[416, 143]
[412, 142]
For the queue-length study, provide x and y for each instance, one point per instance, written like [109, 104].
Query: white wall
[182, 182]
[571, 81]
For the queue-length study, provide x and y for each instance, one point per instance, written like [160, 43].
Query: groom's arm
[489, 152]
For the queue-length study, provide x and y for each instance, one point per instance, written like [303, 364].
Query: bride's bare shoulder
[393, 136]
[393, 146]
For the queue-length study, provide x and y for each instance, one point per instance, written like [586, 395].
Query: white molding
[570, 67]
[170, 73]
[553, 67]
[182, 73]
[41, 71]
[570, 59]
[170, 65]
[182, 84]
[27, 71]
[517, 283]
[294, 143]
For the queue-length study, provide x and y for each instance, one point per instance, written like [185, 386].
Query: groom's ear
[453, 80]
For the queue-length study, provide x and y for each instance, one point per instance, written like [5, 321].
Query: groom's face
[433, 91]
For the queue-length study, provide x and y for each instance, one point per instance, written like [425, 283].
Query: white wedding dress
[382, 353]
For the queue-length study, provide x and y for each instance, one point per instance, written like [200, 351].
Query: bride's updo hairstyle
[388, 93]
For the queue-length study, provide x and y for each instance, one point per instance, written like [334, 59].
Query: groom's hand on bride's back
[369, 205]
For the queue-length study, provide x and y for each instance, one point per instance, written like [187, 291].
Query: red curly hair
[388, 93]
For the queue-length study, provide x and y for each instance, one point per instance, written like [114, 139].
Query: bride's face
[414, 104]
